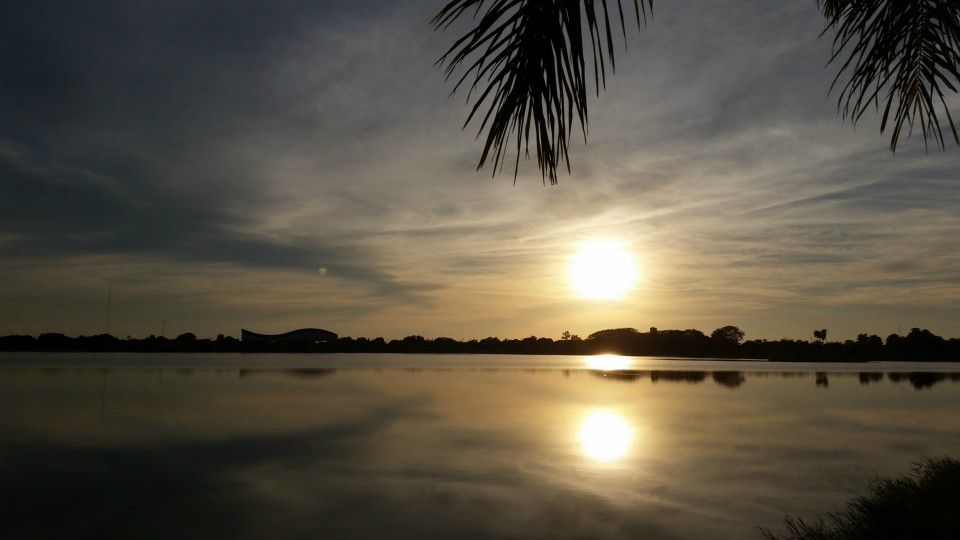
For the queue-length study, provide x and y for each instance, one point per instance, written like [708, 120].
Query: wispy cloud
[210, 157]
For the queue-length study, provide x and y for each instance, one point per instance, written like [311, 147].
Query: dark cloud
[121, 123]
[52, 210]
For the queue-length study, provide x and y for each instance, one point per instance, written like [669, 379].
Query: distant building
[308, 335]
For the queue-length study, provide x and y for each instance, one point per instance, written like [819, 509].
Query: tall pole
[109, 303]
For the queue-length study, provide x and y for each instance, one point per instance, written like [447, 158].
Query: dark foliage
[923, 505]
[919, 346]
[526, 60]
[901, 57]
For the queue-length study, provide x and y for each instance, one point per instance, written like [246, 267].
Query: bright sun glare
[605, 436]
[607, 362]
[603, 269]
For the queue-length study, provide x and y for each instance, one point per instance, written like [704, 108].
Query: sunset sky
[209, 165]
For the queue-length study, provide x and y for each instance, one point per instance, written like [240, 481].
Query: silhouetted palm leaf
[902, 54]
[526, 58]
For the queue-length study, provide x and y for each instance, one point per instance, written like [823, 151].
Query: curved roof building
[303, 334]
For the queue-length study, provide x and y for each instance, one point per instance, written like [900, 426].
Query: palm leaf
[526, 59]
[901, 56]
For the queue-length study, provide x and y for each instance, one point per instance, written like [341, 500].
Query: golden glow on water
[603, 269]
[607, 362]
[605, 435]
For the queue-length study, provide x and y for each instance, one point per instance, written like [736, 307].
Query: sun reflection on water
[607, 362]
[605, 435]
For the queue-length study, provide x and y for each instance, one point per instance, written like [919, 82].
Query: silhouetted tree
[613, 333]
[378, 344]
[728, 334]
[923, 345]
[490, 345]
[527, 59]
[53, 341]
[689, 342]
[18, 343]
[227, 344]
[445, 345]
[820, 335]
[409, 344]
[615, 340]
[868, 347]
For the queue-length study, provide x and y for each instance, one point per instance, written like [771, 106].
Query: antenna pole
[109, 303]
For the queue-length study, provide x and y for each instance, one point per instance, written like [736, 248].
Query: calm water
[355, 446]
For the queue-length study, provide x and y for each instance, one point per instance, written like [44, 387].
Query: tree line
[726, 342]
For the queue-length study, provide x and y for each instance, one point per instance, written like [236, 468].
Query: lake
[395, 446]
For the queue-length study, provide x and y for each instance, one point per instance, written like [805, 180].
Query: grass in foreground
[923, 505]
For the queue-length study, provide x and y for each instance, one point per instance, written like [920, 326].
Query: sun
[603, 269]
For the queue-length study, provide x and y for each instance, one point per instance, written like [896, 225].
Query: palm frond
[901, 56]
[526, 60]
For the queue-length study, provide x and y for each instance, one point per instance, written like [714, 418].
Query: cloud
[277, 139]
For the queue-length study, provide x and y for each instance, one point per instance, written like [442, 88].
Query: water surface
[393, 446]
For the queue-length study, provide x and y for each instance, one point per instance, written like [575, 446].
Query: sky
[210, 165]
